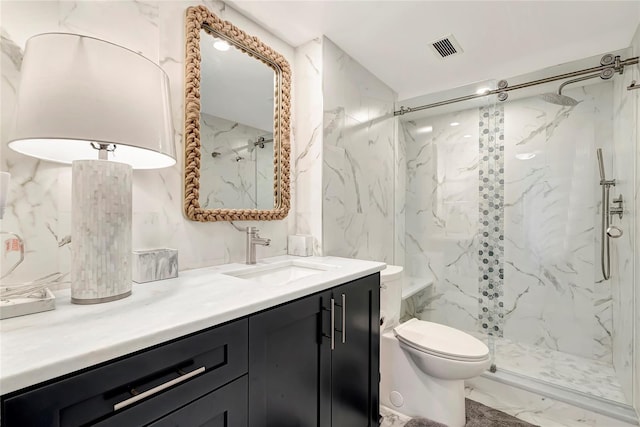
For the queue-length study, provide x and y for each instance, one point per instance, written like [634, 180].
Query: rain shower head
[559, 99]
[567, 101]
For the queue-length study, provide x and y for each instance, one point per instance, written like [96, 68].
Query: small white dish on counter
[20, 306]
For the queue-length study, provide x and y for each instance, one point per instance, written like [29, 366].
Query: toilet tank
[391, 279]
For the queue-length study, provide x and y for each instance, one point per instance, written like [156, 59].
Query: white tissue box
[154, 264]
[300, 245]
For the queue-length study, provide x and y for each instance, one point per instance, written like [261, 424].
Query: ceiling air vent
[446, 47]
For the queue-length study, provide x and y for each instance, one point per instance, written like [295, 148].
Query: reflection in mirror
[236, 128]
[237, 123]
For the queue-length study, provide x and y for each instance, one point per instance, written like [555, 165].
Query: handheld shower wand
[600, 164]
[607, 230]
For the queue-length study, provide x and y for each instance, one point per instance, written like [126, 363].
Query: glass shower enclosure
[503, 212]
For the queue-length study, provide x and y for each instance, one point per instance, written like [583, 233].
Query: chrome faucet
[253, 239]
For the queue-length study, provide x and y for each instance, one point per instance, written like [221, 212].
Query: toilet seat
[441, 341]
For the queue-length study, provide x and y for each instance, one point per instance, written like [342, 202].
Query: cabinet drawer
[90, 397]
[225, 407]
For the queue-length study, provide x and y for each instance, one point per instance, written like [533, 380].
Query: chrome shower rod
[618, 66]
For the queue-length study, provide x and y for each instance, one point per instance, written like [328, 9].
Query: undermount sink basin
[280, 272]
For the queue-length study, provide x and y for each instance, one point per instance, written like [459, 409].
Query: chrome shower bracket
[617, 210]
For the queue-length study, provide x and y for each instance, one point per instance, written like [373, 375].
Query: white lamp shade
[75, 90]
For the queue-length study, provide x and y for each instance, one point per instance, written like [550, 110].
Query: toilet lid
[441, 340]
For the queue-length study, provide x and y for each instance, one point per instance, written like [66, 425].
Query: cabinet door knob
[157, 389]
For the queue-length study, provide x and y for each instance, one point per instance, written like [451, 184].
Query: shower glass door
[503, 213]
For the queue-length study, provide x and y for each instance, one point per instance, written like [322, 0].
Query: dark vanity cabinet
[355, 360]
[309, 362]
[315, 361]
[202, 376]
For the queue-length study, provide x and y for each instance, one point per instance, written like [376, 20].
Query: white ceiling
[499, 38]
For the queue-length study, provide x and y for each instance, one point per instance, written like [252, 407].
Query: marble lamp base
[101, 231]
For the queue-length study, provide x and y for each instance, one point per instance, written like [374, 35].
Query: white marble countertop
[43, 346]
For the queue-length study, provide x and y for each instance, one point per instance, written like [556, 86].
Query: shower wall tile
[622, 249]
[309, 132]
[634, 212]
[358, 159]
[40, 191]
[442, 215]
[400, 195]
[554, 296]
[230, 179]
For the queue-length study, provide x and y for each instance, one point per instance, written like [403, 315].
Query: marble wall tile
[358, 164]
[553, 294]
[33, 192]
[400, 194]
[40, 203]
[442, 215]
[230, 179]
[634, 212]
[308, 129]
[622, 249]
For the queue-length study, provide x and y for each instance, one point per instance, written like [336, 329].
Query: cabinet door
[355, 360]
[225, 407]
[290, 365]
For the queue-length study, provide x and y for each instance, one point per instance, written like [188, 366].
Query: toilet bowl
[423, 364]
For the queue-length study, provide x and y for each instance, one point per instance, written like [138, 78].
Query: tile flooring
[592, 377]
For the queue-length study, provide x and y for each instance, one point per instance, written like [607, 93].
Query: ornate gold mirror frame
[200, 18]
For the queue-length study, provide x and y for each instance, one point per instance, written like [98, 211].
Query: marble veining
[551, 296]
[233, 172]
[392, 418]
[634, 211]
[534, 408]
[156, 312]
[154, 264]
[40, 193]
[442, 216]
[623, 170]
[358, 138]
[309, 132]
[594, 377]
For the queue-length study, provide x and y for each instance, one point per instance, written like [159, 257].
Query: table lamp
[104, 109]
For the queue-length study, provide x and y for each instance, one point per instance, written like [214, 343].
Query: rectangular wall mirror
[237, 113]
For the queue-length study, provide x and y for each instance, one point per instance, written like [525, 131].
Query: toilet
[423, 365]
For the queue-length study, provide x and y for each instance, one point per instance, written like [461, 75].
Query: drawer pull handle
[157, 389]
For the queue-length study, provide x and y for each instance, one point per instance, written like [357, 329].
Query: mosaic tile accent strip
[491, 230]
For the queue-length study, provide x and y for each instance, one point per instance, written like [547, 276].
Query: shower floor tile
[593, 377]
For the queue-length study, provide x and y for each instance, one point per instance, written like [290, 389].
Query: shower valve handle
[617, 210]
